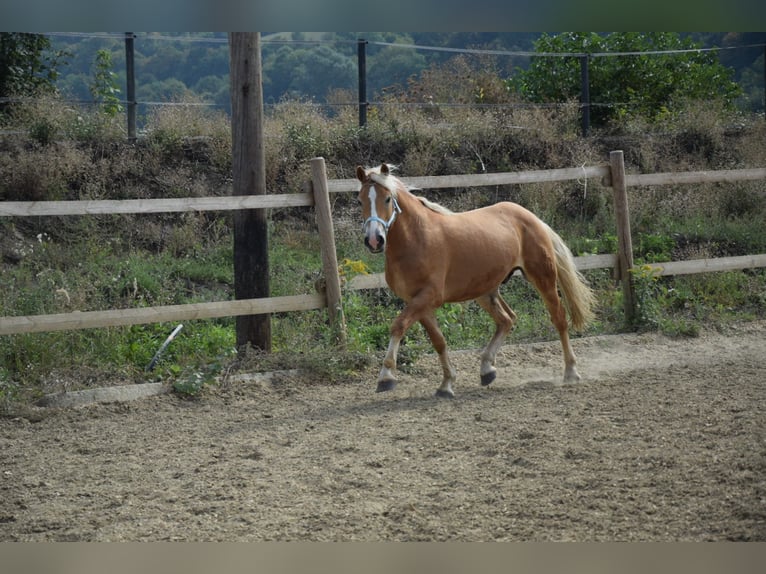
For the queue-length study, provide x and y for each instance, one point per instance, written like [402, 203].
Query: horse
[435, 256]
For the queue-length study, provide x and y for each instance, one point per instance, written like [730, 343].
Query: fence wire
[149, 36]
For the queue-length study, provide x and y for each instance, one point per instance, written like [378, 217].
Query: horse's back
[505, 220]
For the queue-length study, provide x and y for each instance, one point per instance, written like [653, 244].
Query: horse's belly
[477, 266]
[470, 284]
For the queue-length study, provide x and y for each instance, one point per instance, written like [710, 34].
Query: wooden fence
[317, 194]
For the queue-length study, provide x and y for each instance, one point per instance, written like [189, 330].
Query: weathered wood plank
[603, 261]
[121, 317]
[695, 177]
[487, 179]
[711, 265]
[372, 281]
[167, 205]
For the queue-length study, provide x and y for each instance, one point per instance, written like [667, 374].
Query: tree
[392, 66]
[27, 66]
[306, 72]
[635, 84]
[104, 87]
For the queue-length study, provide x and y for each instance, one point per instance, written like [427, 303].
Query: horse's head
[379, 204]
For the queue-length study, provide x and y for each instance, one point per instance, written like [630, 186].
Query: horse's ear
[384, 169]
[361, 174]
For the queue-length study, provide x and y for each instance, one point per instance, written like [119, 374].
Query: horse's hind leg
[504, 318]
[546, 286]
[440, 346]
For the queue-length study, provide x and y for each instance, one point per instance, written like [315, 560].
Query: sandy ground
[664, 439]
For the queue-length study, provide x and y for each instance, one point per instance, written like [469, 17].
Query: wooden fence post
[321, 192]
[624, 241]
[251, 239]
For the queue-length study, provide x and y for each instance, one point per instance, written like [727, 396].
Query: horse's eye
[388, 200]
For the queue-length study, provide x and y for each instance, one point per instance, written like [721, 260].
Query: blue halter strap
[383, 222]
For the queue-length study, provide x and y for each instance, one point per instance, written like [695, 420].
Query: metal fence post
[362, 64]
[585, 94]
[130, 91]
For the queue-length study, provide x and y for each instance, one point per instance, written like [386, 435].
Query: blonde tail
[578, 297]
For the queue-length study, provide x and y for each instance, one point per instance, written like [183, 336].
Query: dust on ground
[664, 439]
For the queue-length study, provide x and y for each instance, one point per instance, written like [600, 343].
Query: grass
[79, 276]
[105, 262]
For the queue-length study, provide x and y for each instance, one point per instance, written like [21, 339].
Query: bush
[645, 85]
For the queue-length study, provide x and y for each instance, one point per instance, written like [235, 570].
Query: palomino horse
[435, 256]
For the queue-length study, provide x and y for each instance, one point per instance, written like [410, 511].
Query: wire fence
[110, 39]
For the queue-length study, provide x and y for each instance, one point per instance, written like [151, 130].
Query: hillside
[313, 66]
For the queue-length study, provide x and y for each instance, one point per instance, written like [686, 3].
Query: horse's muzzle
[376, 244]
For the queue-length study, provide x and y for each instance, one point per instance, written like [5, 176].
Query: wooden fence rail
[122, 317]
[317, 195]
[122, 206]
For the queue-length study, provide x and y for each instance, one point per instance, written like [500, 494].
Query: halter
[383, 222]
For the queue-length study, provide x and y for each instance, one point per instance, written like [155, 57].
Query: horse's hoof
[445, 394]
[487, 378]
[572, 377]
[386, 385]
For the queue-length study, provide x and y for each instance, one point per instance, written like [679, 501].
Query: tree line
[322, 67]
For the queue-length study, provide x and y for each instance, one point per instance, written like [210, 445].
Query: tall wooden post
[251, 244]
[624, 241]
[327, 245]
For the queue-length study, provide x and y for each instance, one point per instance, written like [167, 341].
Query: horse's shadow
[379, 403]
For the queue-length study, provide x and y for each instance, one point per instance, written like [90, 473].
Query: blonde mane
[393, 184]
[434, 206]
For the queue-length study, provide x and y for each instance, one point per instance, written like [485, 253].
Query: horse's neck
[411, 224]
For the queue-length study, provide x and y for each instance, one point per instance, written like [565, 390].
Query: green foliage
[680, 305]
[649, 85]
[190, 382]
[28, 67]
[294, 72]
[104, 88]
[9, 391]
[647, 288]
[654, 247]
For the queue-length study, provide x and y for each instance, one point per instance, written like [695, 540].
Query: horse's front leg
[419, 307]
[386, 379]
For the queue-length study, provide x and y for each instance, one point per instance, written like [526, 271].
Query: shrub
[645, 85]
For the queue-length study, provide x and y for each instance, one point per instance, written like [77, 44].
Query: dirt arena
[665, 439]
